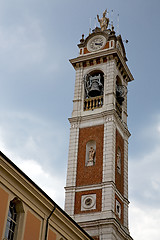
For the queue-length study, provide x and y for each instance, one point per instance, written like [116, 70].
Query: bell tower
[97, 177]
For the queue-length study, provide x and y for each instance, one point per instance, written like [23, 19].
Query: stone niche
[90, 153]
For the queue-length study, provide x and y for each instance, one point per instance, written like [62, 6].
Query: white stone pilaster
[78, 100]
[109, 150]
[72, 169]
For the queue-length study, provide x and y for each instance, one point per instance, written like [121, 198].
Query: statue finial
[103, 21]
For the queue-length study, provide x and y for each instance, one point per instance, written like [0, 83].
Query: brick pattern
[95, 238]
[78, 196]
[119, 177]
[88, 175]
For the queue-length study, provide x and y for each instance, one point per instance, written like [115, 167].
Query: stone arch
[119, 90]
[94, 83]
[19, 211]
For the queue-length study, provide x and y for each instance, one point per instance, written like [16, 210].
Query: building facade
[97, 176]
[28, 213]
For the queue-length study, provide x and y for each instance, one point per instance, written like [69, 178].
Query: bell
[95, 89]
[120, 91]
[120, 99]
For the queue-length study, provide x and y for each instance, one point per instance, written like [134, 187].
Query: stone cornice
[103, 115]
[103, 53]
[97, 186]
[108, 221]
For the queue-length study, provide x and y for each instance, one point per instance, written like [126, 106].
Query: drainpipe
[46, 233]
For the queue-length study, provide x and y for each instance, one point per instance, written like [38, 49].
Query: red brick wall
[95, 238]
[119, 177]
[107, 45]
[87, 175]
[85, 51]
[78, 196]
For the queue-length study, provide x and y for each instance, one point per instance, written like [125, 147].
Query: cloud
[51, 183]
[37, 146]
[144, 184]
[23, 43]
[50, 178]
[144, 222]
[144, 177]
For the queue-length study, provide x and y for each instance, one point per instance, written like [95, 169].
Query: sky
[37, 39]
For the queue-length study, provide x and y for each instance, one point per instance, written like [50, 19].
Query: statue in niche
[119, 160]
[103, 21]
[91, 154]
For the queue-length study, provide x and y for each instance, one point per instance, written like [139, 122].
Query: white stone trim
[91, 199]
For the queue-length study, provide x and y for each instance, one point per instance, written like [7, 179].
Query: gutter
[46, 232]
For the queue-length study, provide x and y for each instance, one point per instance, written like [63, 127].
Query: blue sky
[37, 38]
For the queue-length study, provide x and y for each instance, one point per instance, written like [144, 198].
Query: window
[88, 202]
[15, 220]
[118, 209]
[11, 222]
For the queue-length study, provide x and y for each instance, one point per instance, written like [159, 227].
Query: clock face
[96, 43]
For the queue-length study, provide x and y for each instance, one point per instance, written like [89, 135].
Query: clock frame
[96, 43]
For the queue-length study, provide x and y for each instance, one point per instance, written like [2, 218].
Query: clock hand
[98, 44]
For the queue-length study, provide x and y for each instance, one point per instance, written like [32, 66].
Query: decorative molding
[109, 53]
[88, 202]
[107, 222]
[110, 119]
[106, 116]
[75, 125]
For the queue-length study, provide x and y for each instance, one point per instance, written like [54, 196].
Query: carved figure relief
[91, 154]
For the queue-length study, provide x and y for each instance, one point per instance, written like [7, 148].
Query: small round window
[88, 201]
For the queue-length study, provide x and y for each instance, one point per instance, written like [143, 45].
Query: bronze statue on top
[103, 21]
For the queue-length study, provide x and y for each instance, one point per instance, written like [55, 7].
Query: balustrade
[92, 103]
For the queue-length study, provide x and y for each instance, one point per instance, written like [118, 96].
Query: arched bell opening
[94, 84]
[94, 88]
[119, 97]
[119, 91]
